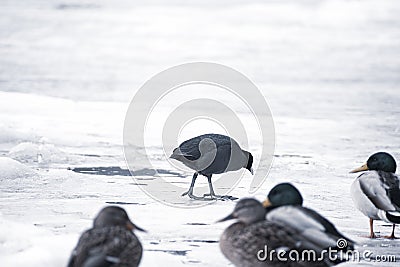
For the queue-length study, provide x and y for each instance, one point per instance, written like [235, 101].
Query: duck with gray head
[254, 242]
[111, 242]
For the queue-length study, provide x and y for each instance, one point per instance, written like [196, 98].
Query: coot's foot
[219, 197]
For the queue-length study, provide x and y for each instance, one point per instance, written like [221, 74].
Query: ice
[12, 169]
[55, 205]
[24, 244]
[328, 69]
[39, 153]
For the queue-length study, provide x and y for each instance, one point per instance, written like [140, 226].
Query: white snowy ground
[328, 69]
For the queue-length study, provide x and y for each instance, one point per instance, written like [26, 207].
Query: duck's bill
[360, 169]
[227, 218]
[131, 226]
[140, 229]
[266, 203]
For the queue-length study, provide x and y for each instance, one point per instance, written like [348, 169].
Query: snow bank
[22, 243]
[11, 169]
[37, 153]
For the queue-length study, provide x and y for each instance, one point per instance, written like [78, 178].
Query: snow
[11, 169]
[328, 69]
[40, 153]
[41, 248]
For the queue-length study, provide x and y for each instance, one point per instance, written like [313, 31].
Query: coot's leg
[212, 193]
[190, 191]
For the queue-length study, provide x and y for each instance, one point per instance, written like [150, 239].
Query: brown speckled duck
[111, 242]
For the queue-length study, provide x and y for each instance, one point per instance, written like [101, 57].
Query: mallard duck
[376, 192]
[242, 241]
[111, 242]
[284, 205]
[254, 241]
[210, 154]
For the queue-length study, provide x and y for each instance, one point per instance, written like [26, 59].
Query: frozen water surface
[68, 69]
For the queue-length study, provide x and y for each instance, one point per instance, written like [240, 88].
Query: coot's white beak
[251, 171]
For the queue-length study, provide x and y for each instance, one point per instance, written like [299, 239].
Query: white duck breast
[371, 193]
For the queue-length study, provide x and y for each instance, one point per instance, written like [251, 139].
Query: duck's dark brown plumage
[110, 243]
[242, 241]
[115, 242]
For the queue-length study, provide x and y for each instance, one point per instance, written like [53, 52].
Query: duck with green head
[251, 241]
[376, 192]
[284, 205]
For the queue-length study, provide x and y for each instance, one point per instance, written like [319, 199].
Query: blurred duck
[284, 205]
[253, 241]
[376, 192]
[111, 242]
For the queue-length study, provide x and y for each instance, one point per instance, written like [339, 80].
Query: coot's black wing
[220, 162]
[190, 149]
